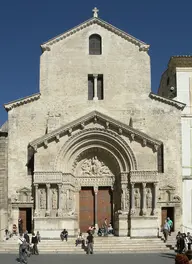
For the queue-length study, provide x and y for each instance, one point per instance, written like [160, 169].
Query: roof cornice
[142, 45]
[162, 99]
[22, 101]
[180, 61]
[95, 116]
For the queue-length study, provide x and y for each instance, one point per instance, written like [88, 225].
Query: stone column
[59, 199]
[154, 197]
[123, 200]
[96, 192]
[132, 199]
[36, 199]
[48, 199]
[95, 76]
[144, 198]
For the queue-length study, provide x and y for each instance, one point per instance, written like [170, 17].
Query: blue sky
[24, 25]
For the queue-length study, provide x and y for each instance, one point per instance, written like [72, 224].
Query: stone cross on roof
[95, 12]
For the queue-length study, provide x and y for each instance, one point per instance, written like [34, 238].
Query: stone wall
[64, 98]
[3, 183]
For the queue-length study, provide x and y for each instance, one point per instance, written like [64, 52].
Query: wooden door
[104, 206]
[86, 206]
[23, 216]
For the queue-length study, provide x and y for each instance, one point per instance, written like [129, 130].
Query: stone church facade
[95, 142]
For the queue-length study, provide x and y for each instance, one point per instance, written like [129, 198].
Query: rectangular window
[95, 93]
[160, 159]
[90, 87]
[100, 87]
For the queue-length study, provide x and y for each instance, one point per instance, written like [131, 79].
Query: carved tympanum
[94, 167]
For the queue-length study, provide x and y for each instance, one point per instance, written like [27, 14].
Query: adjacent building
[176, 83]
[95, 142]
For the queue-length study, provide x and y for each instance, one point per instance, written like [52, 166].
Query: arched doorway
[100, 196]
[100, 161]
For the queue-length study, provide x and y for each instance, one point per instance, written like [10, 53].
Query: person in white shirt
[22, 250]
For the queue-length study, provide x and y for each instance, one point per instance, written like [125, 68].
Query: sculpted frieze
[42, 198]
[144, 176]
[94, 167]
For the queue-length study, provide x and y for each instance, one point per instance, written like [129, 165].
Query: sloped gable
[107, 123]
[95, 20]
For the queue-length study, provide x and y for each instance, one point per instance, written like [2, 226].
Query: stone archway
[99, 176]
[99, 158]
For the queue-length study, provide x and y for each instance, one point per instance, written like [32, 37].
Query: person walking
[26, 236]
[170, 223]
[34, 241]
[22, 249]
[90, 243]
[166, 230]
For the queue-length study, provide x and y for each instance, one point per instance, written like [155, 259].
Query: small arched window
[95, 44]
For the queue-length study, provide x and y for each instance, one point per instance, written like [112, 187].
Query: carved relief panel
[149, 198]
[42, 198]
[94, 167]
[54, 198]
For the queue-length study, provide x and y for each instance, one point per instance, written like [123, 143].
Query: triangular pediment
[95, 117]
[167, 188]
[24, 190]
[95, 20]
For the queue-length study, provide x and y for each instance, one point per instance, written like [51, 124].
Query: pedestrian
[170, 223]
[34, 241]
[22, 249]
[105, 227]
[20, 225]
[166, 230]
[90, 243]
[26, 236]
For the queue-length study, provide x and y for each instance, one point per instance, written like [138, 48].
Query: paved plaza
[165, 258]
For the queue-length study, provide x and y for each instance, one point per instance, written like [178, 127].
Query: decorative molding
[162, 99]
[95, 116]
[22, 101]
[95, 20]
[144, 176]
[180, 61]
[53, 177]
[118, 142]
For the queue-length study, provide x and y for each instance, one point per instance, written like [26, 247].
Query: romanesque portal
[102, 182]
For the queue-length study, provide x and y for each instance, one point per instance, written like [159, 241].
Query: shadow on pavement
[168, 255]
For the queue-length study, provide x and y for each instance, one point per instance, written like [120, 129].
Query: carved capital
[107, 125]
[143, 185]
[95, 189]
[60, 186]
[36, 185]
[70, 131]
[144, 143]
[95, 76]
[48, 185]
[155, 148]
[132, 185]
[57, 138]
[120, 131]
[45, 143]
[82, 125]
[132, 136]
